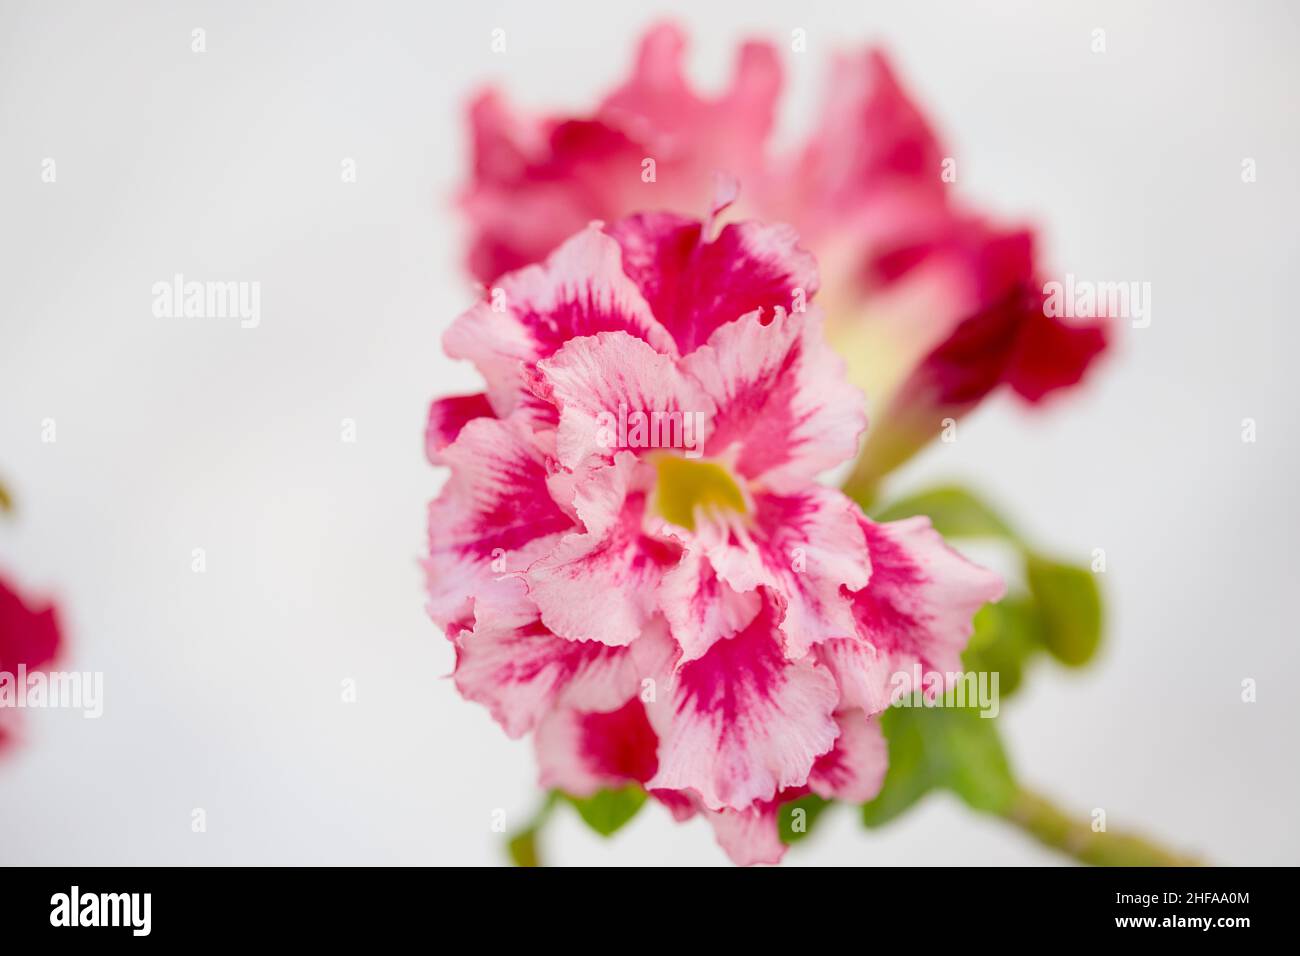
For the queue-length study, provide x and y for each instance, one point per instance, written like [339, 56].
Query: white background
[223, 689]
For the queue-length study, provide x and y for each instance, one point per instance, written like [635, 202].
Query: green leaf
[6, 503]
[909, 776]
[1069, 603]
[795, 819]
[608, 810]
[1007, 636]
[976, 769]
[955, 513]
[951, 748]
[523, 848]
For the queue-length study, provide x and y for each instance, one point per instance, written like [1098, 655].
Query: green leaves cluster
[941, 748]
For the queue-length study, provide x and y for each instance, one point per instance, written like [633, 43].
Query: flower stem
[1053, 827]
[522, 845]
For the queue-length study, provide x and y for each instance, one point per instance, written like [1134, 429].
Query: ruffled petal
[742, 722]
[700, 608]
[658, 106]
[600, 382]
[872, 140]
[447, 416]
[862, 672]
[995, 295]
[493, 518]
[521, 672]
[679, 803]
[580, 290]
[582, 752]
[537, 182]
[1053, 355]
[854, 769]
[695, 284]
[601, 584]
[808, 548]
[917, 609]
[750, 836]
[785, 412]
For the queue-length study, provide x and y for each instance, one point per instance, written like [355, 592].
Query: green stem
[522, 846]
[1053, 827]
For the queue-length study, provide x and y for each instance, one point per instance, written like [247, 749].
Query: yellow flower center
[684, 485]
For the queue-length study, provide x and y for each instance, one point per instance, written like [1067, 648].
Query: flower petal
[537, 182]
[700, 608]
[493, 518]
[447, 416]
[695, 284]
[29, 632]
[917, 609]
[785, 411]
[521, 672]
[582, 752]
[861, 671]
[601, 584]
[742, 722]
[995, 295]
[658, 105]
[750, 836]
[872, 140]
[986, 327]
[599, 381]
[1053, 355]
[680, 803]
[854, 769]
[580, 290]
[809, 548]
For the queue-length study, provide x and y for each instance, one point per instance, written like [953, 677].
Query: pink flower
[632, 554]
[29, 636]
[932, 306]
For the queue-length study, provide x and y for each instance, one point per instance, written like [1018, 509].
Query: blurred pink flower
[632, 554]
[29, 636]
[932, 306]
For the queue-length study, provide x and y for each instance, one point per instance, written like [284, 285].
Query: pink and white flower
[716, 628]
[933, 306]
